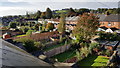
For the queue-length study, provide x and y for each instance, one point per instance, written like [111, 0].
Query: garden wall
[57, 50]
[39, 36]
[46, 35]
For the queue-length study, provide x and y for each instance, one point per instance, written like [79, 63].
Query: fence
[57, 50]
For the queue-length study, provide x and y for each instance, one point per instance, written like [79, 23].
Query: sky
[20, 7]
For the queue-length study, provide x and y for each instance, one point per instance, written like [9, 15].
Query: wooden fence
[57, 50]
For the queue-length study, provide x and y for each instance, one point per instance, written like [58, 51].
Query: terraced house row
[107, 21]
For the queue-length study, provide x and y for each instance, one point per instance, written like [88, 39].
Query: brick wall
[113, 24]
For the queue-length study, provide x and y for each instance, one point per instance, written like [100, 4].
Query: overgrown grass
[65, 55]
[94, 60]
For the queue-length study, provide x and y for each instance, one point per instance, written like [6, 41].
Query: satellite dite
[13, 57]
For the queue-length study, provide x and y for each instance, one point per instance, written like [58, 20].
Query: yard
[65, 55]
[52, 47]
[94, 60]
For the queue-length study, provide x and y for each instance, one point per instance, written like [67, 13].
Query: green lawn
[61, 11]
[65, 55]
[100, 61]
[20, 35]
[93, 60]
[52, 47]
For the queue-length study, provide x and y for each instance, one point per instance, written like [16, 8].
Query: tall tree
[61, 25]
[85, 28]
[83, 10]
[50, 26]
[48, 13]
[38, 14]
[43, 15]
[12, 24]
[71, 12]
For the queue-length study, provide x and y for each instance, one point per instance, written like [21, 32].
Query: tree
[28, 44]
[50, 26]
[85, 28]
[37, 26]
[83, 10]
[29, 32]
[38, 14]
[48, 13]
[43, 15]
[61, 25]
[71, 12]
[44, 25]
[12, 24]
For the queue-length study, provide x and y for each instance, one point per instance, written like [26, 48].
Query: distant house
[70, 22]
[110, 21]
[31, 20]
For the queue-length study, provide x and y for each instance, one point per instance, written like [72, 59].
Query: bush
[50, 26]
[38, 45]
[109, 36]
[93, 45]
[28, 44]
[108, 52]
[29, 32]
[12, 25]
[84, 51]
[24, 29]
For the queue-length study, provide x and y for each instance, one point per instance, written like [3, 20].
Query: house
[111, 30]
[70, 22]
[103, 28]
[31, 20]
[110, 21]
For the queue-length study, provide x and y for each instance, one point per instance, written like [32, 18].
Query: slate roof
[103, 27]
[112, 18]
[13, 56]
[101, 17]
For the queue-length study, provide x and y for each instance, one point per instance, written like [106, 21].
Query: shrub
[29, 32]
[50, 26]
[108, 52]
[28, 44]
[84, 51]
[38, 45]
[109, 36]
[24, 29]
[93, 45]
[12, 25]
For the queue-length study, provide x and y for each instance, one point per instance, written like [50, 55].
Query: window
[109, 24]
[102, 23]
